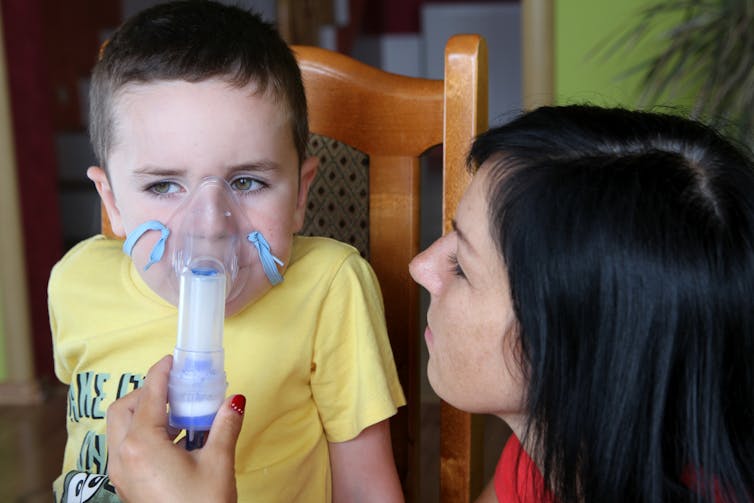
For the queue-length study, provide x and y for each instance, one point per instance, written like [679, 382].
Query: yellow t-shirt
[312, 357]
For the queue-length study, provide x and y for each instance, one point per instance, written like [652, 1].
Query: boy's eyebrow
[261, 165]
[258, 166]
[157, 171]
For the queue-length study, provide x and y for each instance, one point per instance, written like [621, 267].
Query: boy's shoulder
[321, 248]
[314, 256]
[96, 252]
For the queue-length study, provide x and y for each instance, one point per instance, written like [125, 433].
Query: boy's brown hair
[195, 41]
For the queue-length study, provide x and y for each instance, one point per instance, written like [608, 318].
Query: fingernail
[238, 404]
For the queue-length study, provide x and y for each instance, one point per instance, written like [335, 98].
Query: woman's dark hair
[629, 242]
[195, 40]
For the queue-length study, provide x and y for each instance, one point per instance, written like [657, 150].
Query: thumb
[226, 427]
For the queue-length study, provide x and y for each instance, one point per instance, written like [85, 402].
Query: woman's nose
[425, 268]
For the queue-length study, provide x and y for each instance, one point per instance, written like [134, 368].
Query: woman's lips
[428, 337]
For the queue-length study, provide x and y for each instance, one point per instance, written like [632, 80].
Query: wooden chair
[391, 120]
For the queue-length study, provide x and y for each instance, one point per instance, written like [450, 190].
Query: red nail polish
[238, 404]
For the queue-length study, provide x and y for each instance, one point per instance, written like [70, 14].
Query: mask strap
[159, 246]
[266, 257]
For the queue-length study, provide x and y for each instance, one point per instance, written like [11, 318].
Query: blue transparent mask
[210, 223]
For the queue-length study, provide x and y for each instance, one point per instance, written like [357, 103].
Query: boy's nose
[212, 223]
[212, 212]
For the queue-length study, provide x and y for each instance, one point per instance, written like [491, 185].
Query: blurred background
[540, 52]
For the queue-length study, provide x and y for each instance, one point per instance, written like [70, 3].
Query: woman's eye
[163, 188]
[455, 266]
[246, 184]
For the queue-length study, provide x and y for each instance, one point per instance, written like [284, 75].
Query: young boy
[198, 120]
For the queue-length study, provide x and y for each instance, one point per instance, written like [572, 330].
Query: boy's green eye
[245, 184]
[162, 188]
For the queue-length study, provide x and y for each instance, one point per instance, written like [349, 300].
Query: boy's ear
[102, 184]
[308, 172]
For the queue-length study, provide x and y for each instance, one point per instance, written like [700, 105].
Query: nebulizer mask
[212, 252]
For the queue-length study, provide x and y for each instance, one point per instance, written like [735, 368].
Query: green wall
[3, 365]
[581, 28]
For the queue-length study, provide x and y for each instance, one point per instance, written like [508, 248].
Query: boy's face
[170, 135]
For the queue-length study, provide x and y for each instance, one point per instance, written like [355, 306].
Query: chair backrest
[392, 120]
[466, 88]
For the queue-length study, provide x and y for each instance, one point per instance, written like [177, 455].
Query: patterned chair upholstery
[338, 203]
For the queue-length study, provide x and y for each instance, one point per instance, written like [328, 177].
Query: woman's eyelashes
[456, 266]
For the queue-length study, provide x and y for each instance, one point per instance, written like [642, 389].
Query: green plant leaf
[707, 54]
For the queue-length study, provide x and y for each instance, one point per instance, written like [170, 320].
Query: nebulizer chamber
[197, 380]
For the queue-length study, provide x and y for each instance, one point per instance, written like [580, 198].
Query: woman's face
[470, 322]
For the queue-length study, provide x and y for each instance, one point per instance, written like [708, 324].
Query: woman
[597, 294]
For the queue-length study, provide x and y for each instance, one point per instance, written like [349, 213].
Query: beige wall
[15, 335]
